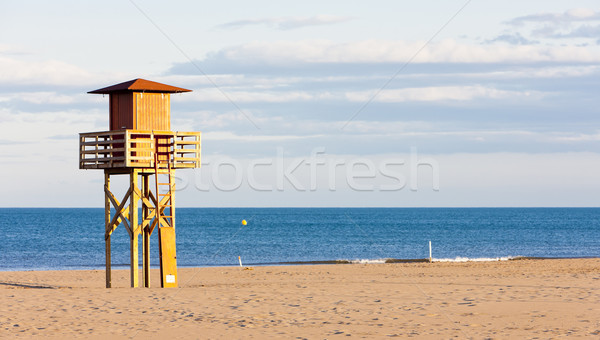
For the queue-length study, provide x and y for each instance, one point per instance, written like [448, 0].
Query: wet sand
[507, 299]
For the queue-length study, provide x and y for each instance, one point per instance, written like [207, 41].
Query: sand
[498, 300]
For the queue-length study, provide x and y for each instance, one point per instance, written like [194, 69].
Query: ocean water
[40, 239]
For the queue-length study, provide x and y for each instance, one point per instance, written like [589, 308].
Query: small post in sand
[430, 258]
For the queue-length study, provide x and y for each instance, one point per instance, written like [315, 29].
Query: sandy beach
[524, 299]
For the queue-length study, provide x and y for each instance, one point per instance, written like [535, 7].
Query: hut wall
[152, 111]
[121, 111]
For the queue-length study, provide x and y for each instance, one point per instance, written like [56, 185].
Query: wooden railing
[137, 149]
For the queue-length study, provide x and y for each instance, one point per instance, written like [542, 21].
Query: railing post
[126, 146]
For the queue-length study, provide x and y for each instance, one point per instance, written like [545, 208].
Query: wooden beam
[133, 218]
[120, 208]
[155, 221]
[117, 218]
[106, 226]
[148, 210]
[118, 221]
[145, 231]
[172, 199]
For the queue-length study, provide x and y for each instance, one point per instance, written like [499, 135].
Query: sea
[73, 238]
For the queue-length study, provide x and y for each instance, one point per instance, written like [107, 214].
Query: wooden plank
[102, 143]
[183, 159]
[168, 258]
[104, 166]
[184, 142]
[102, 159]
[187, 133]
[186, 165]
[140, 152]
[101, 151]
[142, 146]
[100, 133]
[144, 158]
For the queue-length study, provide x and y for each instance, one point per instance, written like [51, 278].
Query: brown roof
[140, 85]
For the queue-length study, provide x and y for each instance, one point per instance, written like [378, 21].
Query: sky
[316, 103]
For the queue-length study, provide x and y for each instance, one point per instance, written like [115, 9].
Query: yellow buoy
[244, 222]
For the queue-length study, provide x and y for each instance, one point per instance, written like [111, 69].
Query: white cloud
[257, 82]
[569, 16]
[226, 135]
[537, 72]
[573, 23]
[583, 137]
[42, 72]
[287, 23]
[424, 129]
[42, 98]
[513, 39]
[437, 93]
[583, 13]
[376, 51]
[245, 96]
[416, 94]
[26, 69]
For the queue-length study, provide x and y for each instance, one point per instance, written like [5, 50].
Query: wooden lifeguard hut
[139, 144]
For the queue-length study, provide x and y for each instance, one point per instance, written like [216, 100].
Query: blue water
[37, 239]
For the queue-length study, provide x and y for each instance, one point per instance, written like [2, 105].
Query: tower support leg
[107, 228]
[135, 228]
[146, 230]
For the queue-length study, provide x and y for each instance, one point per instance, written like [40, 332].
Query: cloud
[21, 70]
[6, 49]
[569, 16]
[574, 23]
[377, 51]
[47, 124]
[42, 72]
[42, 98]
[400, 129]
[287, 23]
[253, 96]
[513, 39]
[499, 72]
[583, 137]
[226, 135]
[411, 94]
[584, 31]
[438, 93]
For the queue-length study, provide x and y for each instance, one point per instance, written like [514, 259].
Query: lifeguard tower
[139, 144]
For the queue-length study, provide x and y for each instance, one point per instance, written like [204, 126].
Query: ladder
[165, 187]
[165, 210]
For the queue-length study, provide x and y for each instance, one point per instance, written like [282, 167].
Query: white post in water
[240, 259]
[430, 258]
